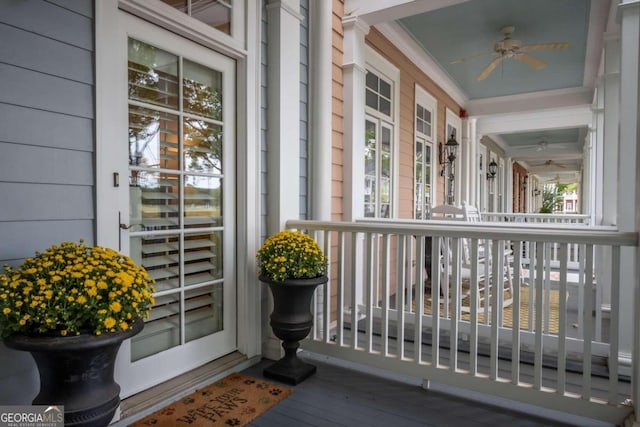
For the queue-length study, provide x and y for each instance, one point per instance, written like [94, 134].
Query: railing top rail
[597, 235]
[537, 215]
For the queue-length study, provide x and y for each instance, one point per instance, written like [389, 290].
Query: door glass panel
[202, 146]
[176, 194]
[202, 91]
[203, 258]
[203, 311]
[153, 138]
[153, 75]
[162, 329]
[202, 201]
[154, 201]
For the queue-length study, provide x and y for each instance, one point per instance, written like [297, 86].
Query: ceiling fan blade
[492, 66]
[542, 46]
[531, 61]
[468, 58]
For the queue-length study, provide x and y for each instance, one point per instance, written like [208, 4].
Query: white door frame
[111, 95]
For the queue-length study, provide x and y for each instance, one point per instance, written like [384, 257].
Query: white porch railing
[536, 218]
[377, 268]
[551, 220]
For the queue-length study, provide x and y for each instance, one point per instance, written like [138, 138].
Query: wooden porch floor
[336, 396]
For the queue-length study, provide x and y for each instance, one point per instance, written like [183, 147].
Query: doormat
[232, 401]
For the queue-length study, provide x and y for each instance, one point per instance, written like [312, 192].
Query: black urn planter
[291, 321]
[77, 372]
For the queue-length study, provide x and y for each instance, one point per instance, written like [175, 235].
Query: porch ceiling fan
[554, 180]
[513, 48]
[542, 145]
[554, 163]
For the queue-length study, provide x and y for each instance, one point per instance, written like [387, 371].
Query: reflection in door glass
[176, 164]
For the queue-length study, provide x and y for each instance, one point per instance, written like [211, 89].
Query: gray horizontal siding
[35, 52]
[46, 144]
[51, 20]
[45, 128]
[25, 163]
[17, 238]
[83, 7]
[19, 86]
[24, 201]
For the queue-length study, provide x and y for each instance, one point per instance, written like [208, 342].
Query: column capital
[355, 23]
[289, 6]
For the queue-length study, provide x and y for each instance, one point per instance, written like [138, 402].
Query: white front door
[178, 215]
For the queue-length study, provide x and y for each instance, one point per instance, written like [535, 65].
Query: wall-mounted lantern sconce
[524, 183]
[447, 153]
[451, 151]
[492, 170]
[452, 148]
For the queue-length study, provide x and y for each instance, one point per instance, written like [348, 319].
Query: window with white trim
[423, 156]
[379, 146]
[215, 13]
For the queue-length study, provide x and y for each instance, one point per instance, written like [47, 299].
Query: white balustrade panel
[464, 305]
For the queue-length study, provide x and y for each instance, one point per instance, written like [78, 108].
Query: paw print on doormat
[207, 393]
[232, 422]
[262, 386]
[249, 410]
[275, 391]
[168, 411]
[188, 400]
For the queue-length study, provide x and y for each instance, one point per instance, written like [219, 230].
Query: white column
[354, 73]
[598, 157]
[508, 190]
[629, 189]
[472, 167]
[320, 69]
[611, 117]
[463, 196]
[283, 118]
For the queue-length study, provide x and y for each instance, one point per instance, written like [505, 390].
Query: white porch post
[354, 74]
[321, 45]
[470, 167]
[508, 190]
[283, 134]
[598, 157]
[611, 116]
[609, 170]
[629, 190]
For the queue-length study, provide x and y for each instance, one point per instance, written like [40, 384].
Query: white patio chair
[483, 268]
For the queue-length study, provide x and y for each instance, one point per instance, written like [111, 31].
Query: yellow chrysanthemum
[59, 289]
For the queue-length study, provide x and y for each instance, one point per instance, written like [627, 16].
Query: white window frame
[380, 66]
[428, 102]
[170, 18]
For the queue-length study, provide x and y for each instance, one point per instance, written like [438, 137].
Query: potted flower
[292, 264]
[71, 307]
